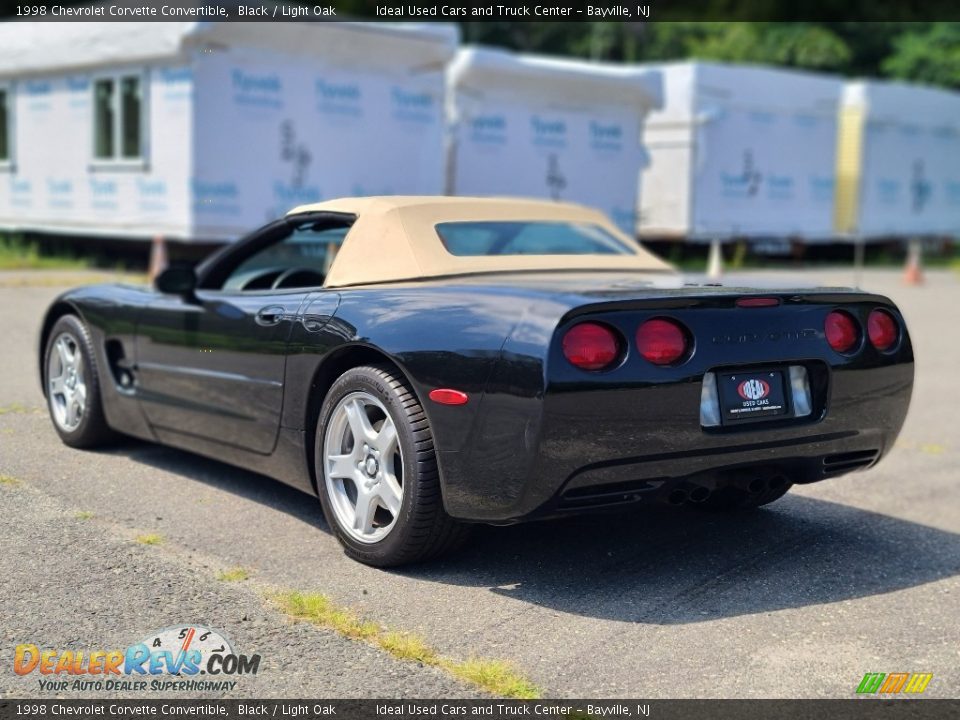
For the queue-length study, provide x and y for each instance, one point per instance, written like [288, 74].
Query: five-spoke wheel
[376, 470]
[72, 385]
[66, 385]
[364, 467]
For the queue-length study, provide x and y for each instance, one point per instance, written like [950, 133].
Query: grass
[236, 574]
[83, 515]
[149, 539]
[15, 408]
[17, 254]
[320, 610]
[408, 646]
[497, 677]
[8, 481]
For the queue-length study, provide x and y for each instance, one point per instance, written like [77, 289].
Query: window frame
[117, 160]
[293, 230]
[213, 272]
[9, 163]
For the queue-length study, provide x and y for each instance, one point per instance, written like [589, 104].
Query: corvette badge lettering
[758, 337]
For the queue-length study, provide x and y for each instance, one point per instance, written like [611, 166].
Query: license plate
[751, 396]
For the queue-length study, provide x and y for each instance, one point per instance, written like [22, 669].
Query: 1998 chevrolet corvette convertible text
[423, 363]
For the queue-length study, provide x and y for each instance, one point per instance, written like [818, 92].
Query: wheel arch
[335, 364]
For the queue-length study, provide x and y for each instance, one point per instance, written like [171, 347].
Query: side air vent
[621, 493]
[120, 366]
[849, 461]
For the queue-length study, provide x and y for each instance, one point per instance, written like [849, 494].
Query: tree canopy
[927, 52]
[923, 52]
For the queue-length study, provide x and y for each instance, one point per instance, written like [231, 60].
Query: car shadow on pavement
[229, 478]
[674, 566]
[656, 566]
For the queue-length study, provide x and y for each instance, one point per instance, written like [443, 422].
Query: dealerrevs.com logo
[189, 658]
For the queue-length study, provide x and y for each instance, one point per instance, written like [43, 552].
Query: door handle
[269, 315]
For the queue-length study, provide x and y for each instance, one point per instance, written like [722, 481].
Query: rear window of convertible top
[500, 237]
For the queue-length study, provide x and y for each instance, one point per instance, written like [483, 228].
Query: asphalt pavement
[853, 575]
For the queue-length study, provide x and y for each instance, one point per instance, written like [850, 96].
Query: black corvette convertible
[423, 363]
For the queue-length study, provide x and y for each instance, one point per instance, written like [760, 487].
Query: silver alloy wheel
[66, 383]
[363, 467]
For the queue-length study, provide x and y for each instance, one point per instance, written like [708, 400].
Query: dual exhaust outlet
[698, 493]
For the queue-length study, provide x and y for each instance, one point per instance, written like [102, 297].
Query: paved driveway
[853, 575]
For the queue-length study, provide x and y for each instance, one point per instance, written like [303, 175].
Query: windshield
[529, 238]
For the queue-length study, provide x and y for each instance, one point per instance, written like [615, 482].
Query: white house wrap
[537, 127]
[900, 161]
[206, 130]
[740, 151]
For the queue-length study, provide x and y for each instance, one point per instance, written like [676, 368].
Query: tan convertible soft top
[395, 238]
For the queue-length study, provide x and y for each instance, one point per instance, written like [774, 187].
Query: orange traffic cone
[913, 271]
[158, 257]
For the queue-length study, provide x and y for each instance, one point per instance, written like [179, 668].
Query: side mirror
[176, 280]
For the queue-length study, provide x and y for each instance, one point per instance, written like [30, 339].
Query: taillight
[661, 341]
[882, 329]
[841, 331]
[591, 346]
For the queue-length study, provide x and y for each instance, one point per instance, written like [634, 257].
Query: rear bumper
[592, 458]
[697, 475]
[632, 459]
[581, 445]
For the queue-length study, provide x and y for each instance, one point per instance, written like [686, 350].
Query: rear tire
[72, 386]
[733, 500]
[377, 474]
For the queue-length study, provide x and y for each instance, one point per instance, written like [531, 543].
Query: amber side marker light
[446, 396]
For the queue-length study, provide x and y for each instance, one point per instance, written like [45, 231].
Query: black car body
[241, 376]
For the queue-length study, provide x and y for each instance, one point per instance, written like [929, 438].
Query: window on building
[103, 119]
[131, 117]
[118, 118]
[5, 125]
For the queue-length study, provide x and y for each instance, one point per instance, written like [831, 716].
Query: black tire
[422, 529]
[733, 500]
[92, 430]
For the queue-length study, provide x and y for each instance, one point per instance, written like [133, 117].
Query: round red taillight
[662, 342]
[841, 330]
[882, 329]
[590, 346]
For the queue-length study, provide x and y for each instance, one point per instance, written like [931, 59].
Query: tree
[804, 45]
[930, 54]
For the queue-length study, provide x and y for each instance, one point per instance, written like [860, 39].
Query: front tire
[72, 386]
[377, 474]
